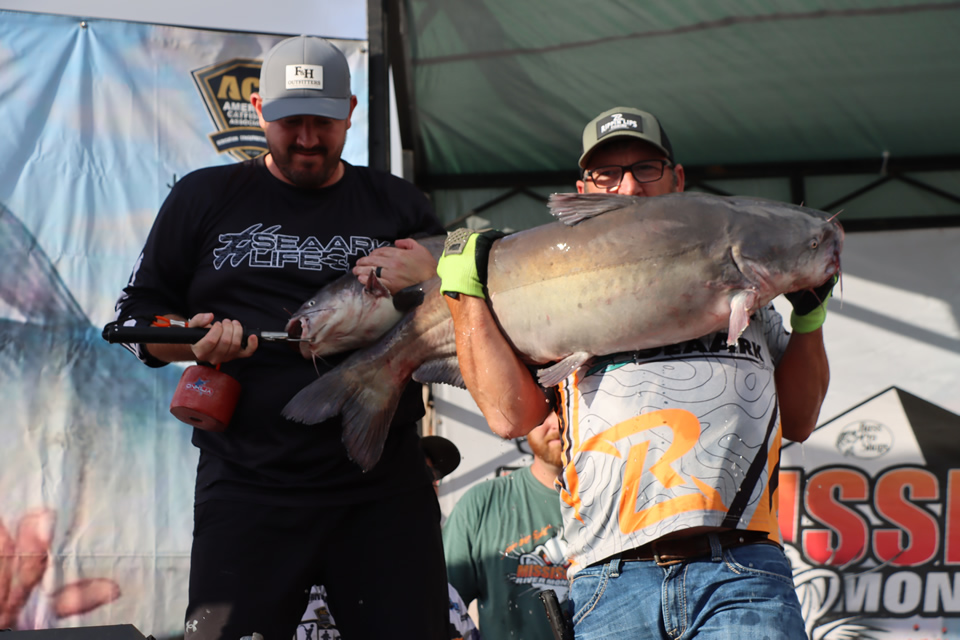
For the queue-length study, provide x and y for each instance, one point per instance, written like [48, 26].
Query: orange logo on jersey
[686, 431]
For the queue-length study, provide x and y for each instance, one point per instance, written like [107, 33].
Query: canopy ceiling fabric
[504, 87]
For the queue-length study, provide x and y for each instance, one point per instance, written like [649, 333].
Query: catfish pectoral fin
[444, 371]
[318, 401]
[555, 374]
[741, 306]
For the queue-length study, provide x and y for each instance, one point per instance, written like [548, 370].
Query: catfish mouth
[830, 261]
[835, 263]
[294, 328]
[838, 245]
[836, 235]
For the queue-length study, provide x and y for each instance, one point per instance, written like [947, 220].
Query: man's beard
[322, 167]
[552, 456]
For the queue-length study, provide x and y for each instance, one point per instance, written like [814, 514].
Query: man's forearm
[501, 385]
[802, 378]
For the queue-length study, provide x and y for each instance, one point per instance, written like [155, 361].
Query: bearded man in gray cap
[279, 506]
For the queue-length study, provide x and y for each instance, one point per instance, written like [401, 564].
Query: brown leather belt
[675, 550]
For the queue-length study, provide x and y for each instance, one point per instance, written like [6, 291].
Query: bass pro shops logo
[226, 88]
[865, 439]
[200, 386]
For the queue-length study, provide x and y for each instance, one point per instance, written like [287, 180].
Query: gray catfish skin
[614, 273]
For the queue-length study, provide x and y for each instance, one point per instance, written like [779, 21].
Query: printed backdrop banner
[100, 118]
[870, 516]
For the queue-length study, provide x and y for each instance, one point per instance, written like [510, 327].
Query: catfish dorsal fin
[375, 287]
[571, 208]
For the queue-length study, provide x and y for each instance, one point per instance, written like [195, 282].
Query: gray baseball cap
[624, 122]
[305, 76]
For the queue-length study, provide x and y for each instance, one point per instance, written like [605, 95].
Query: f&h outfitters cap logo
[226, 88]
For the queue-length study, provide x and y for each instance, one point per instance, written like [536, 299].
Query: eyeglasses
[611, 176]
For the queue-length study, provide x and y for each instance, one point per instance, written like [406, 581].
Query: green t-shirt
[503, 547]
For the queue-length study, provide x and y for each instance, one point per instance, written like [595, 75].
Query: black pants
[382, 563]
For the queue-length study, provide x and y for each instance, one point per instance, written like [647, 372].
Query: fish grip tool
[205, 397]
[559, 623]
[166, 331]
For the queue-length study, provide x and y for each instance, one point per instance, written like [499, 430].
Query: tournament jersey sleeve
[773, 332]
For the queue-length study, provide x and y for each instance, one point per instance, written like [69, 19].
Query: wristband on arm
[463, 266]
[810, 306]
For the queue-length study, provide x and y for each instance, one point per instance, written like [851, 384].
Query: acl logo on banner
[870, 516]
[226, 88]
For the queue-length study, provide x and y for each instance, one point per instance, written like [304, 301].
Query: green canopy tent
[846, 104]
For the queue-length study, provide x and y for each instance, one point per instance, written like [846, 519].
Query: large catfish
[614, 273]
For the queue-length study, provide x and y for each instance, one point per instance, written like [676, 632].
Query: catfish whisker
[840, 284]
[322, 360]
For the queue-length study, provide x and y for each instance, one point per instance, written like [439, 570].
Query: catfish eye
[814, 243]
[312, 303]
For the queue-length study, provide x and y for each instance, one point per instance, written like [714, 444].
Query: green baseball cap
[624, 122]
[305, 76]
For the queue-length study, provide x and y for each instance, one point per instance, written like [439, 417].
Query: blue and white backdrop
[100, 117]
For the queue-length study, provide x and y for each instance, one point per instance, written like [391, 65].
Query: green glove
[810, 306]
[463, 266]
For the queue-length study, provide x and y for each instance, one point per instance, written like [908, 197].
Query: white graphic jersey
[672, 438]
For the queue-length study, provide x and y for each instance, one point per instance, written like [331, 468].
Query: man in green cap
[677, 535]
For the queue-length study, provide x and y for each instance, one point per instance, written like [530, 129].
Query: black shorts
[252, 567]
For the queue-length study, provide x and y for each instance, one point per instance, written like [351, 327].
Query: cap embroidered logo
[305, 76]
[617, 122]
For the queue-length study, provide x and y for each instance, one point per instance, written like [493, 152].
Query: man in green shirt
[502, 543]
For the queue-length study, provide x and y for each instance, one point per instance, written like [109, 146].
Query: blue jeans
[743, 592]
